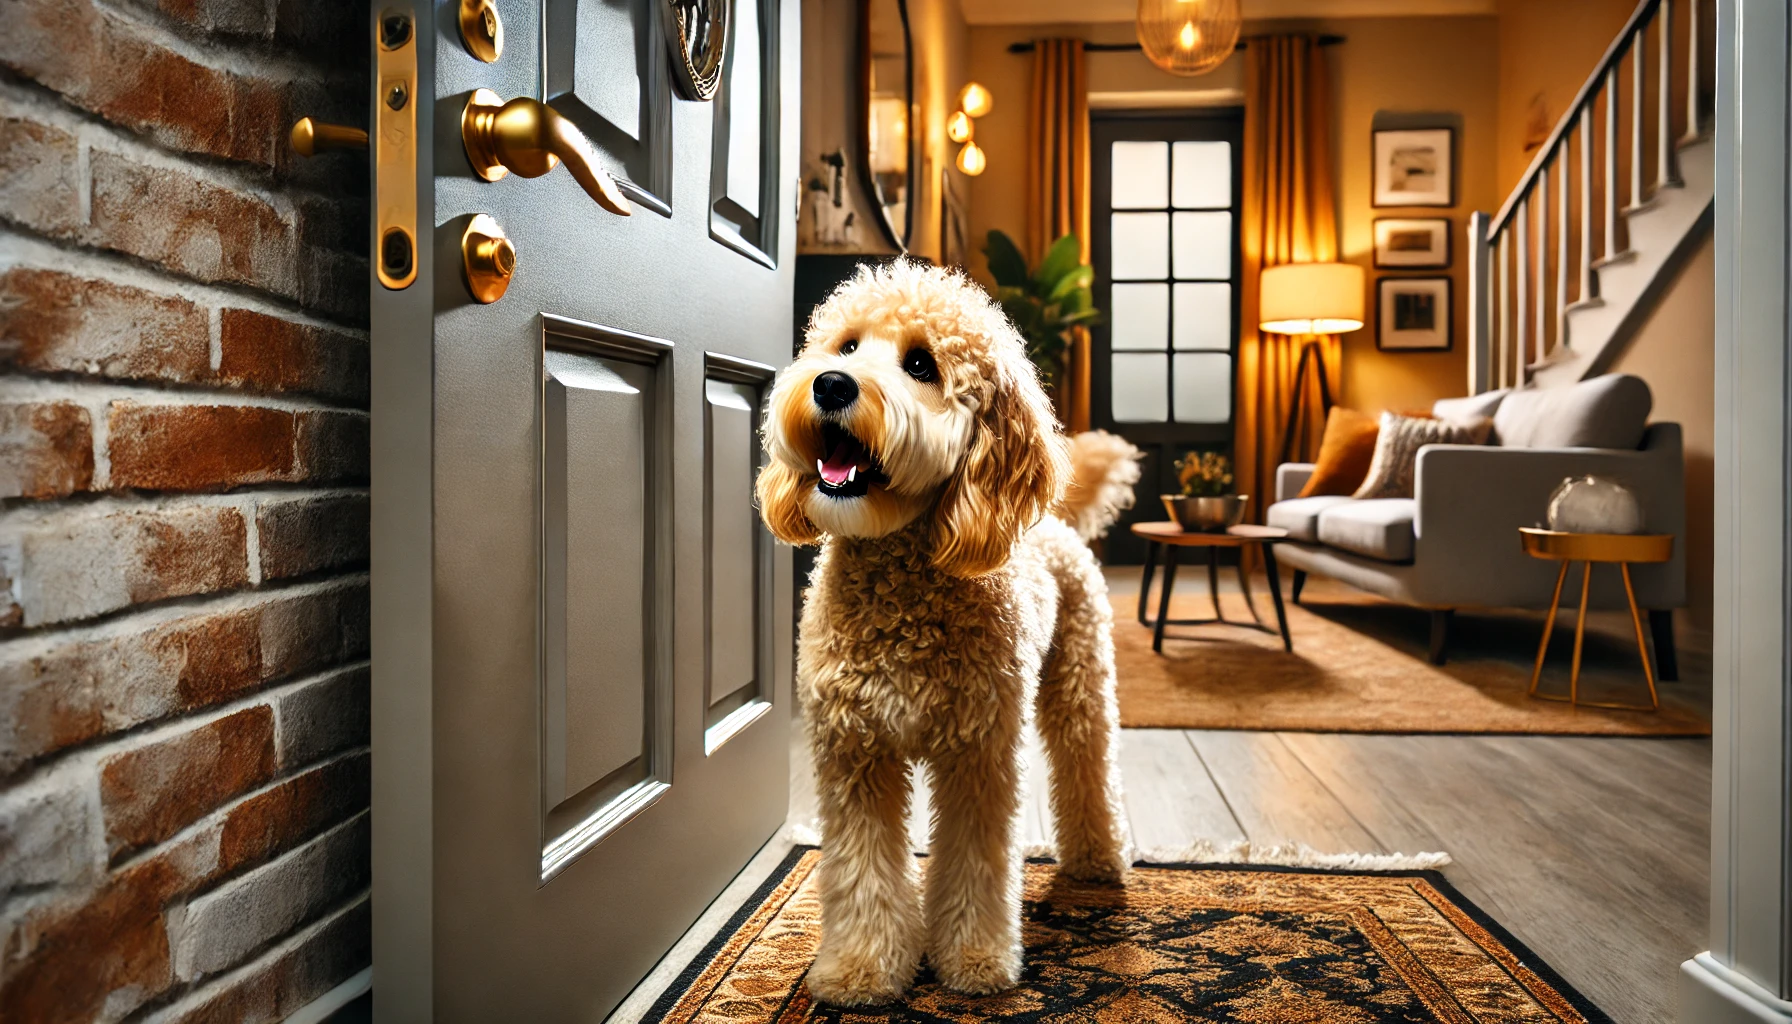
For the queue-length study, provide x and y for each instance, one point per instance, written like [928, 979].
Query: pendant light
[1188, 37]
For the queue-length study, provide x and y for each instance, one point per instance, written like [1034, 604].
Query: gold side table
[1624, 549]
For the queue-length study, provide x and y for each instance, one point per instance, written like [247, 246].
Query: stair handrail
[1523, 341]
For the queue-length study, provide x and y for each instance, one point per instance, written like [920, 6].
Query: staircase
[1565, 273]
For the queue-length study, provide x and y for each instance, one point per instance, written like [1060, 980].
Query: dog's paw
[1107, 867]
[977, 971]
[846, 978]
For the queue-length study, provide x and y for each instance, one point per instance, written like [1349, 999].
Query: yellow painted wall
[1399, 65]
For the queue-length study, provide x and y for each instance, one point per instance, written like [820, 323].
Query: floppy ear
[780, 492]
[1010, 475]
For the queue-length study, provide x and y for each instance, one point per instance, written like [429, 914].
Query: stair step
[1625, 256]
[1593, 302]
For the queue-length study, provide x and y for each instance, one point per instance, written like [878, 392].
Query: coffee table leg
[1275, 594]
[1213, 581]
[1549, 625]
[1145, 581]
[1163, 597]
[1580, 632]
[1244, 584]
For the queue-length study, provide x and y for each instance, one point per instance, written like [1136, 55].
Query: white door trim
[1746, 975]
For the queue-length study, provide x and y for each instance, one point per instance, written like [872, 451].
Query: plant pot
[1205, 515]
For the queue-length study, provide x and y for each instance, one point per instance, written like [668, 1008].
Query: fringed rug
[1177, 943]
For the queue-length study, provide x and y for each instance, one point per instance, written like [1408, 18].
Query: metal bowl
[1206, 515]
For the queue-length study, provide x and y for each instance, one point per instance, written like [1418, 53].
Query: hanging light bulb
[1188, 37]
[971, 159]
[975, 100]
[958, 126]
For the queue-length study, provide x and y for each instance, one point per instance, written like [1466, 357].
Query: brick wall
[183, 510]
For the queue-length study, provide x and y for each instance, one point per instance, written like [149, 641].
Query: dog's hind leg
[974, 863]
[1079, 721]
[870, 907]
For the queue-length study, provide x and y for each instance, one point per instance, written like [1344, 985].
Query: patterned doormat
[1178, 943]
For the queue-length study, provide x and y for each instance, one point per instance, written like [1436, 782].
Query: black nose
[835, 391]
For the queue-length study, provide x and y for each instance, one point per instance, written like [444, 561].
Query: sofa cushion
[1604, 412]
[1300, 516]
[1344, 453]
[1379, 528]
[1473, 407]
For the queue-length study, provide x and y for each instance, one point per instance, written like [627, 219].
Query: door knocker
[697, 31]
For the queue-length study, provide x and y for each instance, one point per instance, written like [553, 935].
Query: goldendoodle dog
[953, 592]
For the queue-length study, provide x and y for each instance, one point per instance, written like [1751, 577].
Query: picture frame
[1412, 243]
[1413, 167]
[1413, 314]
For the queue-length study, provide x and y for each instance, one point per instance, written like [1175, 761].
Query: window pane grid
[1171, 252]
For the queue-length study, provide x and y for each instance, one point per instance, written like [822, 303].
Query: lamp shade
[1188, 37]
[1311, 298]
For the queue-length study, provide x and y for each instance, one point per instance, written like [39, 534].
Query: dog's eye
[849, 346]
[919, 365]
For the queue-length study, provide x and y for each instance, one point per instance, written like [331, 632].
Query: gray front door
[582, 636]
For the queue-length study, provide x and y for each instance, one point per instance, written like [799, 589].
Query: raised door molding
[1747, 974]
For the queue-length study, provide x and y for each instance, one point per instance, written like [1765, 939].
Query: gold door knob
[488, 258]
[529, 137]
[310, 138]
[481, 29]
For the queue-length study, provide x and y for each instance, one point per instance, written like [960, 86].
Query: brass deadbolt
[488, 258]
[481, 29]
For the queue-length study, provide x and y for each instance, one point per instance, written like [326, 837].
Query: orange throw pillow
[1344, 453]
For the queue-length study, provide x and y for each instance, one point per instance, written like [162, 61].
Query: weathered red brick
[56, 322]
[68, 960]
[284, 816]
[75, 692]
[333, 447]
[220, 17]
[308, 535]
[150, 793]
[40, 176]
[102, 63]
[268, 353]
[77, 567]
[191, 226]
[290, 978]
[324, 717]
[46, 449]
[199, 447]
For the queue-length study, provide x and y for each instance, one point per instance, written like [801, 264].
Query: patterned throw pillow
[1397, 450]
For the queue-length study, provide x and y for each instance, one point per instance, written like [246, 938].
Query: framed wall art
[1414, 167]
[1412, 242]
[1413, 314]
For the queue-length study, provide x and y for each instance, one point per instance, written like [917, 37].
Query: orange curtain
[1058, 188]
[1287, 217]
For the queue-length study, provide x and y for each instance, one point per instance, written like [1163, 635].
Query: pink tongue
[839, 465]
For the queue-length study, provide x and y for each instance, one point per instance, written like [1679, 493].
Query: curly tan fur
[945, 603]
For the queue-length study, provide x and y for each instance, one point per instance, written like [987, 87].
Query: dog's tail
[1104, 469]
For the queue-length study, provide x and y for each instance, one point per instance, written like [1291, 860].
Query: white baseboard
[319, 1010]
[1711, 993]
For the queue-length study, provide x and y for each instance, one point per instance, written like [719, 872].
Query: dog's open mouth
[848, 468]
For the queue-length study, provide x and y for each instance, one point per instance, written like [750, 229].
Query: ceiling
[1057, 12]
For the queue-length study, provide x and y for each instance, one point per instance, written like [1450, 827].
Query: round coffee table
[1170, 537]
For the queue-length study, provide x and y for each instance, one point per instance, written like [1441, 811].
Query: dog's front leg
[974, 864]
[870, 907]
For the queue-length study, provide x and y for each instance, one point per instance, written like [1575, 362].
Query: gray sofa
[1455, 543]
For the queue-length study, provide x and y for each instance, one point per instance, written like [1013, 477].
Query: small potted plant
[1204, 504]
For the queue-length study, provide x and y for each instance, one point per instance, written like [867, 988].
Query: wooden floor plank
[1273, 796]
[1171, 800]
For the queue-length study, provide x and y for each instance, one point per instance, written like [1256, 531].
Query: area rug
[1360, 665]
[1184, 943]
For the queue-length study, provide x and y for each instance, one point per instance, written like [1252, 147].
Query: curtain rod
[1028, 47]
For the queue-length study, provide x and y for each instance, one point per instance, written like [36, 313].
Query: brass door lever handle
[530, 137]
[310, 138]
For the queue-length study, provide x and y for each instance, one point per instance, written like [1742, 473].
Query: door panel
[745, 175]
[576, 743]
[607, 69]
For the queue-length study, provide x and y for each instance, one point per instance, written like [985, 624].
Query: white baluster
[1505, 311]
[1586, 204]
[1610, 205]
[1637, 39]
[1666, 174]
[1692, 71]
[1522, 258]
[1562, 252]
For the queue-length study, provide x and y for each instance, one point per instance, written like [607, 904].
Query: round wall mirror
[886, 94]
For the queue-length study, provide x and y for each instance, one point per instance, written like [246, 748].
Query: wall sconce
[958, 126]
[973, 101]
[971, 159]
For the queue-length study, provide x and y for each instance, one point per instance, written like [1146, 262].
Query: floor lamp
[1308, 300]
